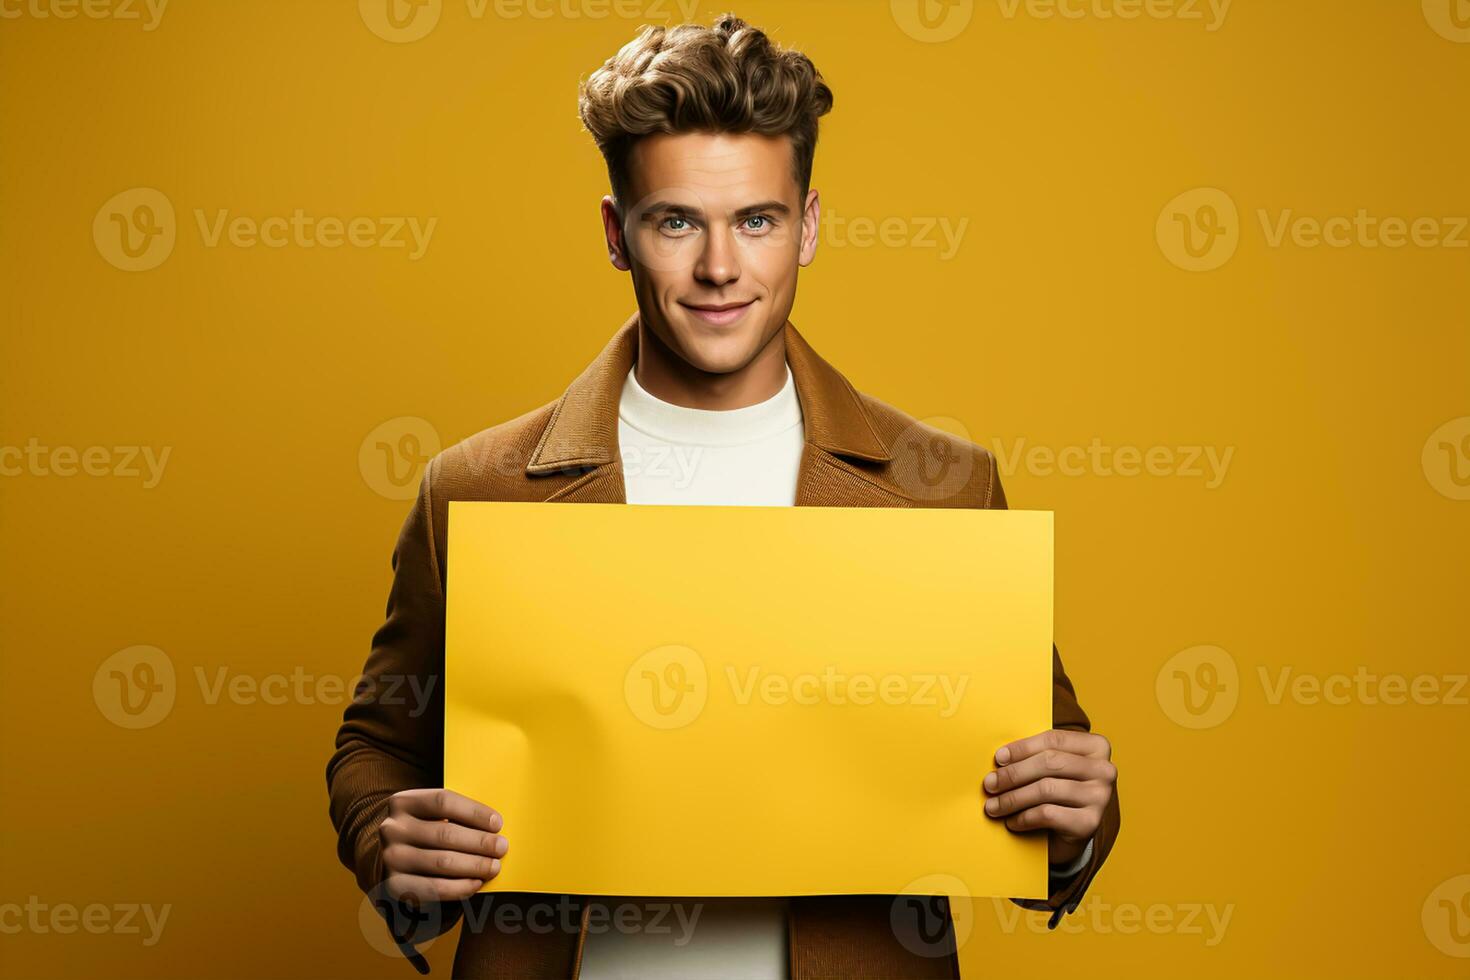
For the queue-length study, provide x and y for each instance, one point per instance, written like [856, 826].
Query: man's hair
[729, 78]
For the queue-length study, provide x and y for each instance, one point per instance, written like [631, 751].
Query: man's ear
[612, 227]
[811, 215]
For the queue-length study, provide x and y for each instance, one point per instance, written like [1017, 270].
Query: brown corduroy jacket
[859, 452]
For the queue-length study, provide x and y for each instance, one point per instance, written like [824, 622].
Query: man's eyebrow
[664, 207]
[669, 207]
[775, 206]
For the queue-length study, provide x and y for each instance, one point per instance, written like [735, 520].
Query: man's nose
[719, 262]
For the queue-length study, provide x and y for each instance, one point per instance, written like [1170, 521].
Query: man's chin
[714, 352]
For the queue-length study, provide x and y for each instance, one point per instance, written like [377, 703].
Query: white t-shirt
[673, 455]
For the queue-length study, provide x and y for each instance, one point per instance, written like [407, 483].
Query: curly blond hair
[727, 78]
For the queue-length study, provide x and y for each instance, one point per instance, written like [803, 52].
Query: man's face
[713, 231]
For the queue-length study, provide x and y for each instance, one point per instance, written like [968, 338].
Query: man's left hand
[1060, 781]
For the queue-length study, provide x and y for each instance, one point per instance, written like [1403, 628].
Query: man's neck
[668, 377]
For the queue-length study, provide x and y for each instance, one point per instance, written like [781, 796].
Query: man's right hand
[439, 846]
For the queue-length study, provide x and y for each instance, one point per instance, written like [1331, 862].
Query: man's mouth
[719, 313]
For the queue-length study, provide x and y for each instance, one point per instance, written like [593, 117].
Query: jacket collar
[583, 430]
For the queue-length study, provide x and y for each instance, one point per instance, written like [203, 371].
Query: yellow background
[1328, 546]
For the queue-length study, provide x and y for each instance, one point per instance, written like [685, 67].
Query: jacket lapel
[581, 438]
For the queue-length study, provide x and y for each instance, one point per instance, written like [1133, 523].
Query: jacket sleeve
[1066, 712]
[392, 732]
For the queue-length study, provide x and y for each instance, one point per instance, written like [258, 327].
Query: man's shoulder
[933, 466]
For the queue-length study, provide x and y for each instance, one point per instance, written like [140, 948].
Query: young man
[709, 136]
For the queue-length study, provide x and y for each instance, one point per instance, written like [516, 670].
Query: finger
[417, 888]
[1066, 792]
[1049, 763]
[407, 859]
[1073, 822]
[1060, 739]
[443, 835]
[446, 804]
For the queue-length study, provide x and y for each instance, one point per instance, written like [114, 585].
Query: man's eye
[675, 223]
[758, 222]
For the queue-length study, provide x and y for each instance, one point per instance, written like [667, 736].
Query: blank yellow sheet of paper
[727, 701]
